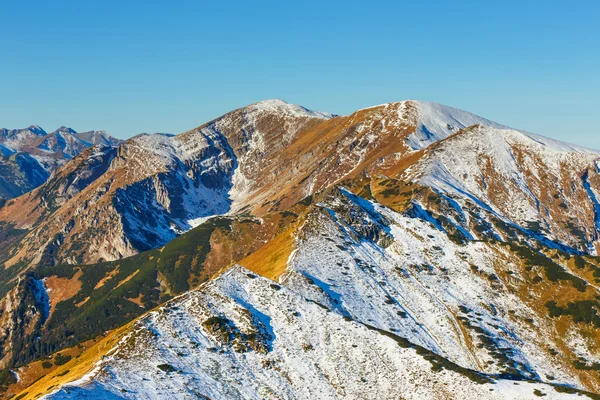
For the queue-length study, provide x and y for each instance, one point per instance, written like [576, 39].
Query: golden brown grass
[106, 278]
[60, 289]
[270, 260]
[71, 371]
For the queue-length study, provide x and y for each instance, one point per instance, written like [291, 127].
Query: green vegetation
[582, 263]
[7, 378]
[583, 311]
[166, 368]
[60, 359]
[552, 270]
[104, 301]
[438, 363]
[586, 365]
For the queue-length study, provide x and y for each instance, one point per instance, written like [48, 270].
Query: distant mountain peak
[36, 129]
[281, 106]
[64, 129]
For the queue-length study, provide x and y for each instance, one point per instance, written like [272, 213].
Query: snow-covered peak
[64, 129]
[279, 106]
[36, 129]
[21, 134]
[435, 122]
[522, 178]
[557, 145]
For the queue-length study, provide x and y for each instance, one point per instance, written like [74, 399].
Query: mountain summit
[407, 250]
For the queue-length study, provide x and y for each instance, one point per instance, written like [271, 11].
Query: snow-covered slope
[244, 337]
[405, 276]
[536, 183]
[93, 138]
[373, 304]
[155, 187]
[418, 251]
[435, 122]
[63, 140]
[271, 154]
[19, 138]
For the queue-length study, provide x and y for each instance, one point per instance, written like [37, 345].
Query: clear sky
[129, 67]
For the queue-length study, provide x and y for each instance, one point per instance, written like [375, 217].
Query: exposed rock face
[23, 312]
[452, 254]
[540, 185]
[271, 154]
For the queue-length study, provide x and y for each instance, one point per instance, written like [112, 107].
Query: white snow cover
[317, 329]
[415, 288]
[436, 122]
[520, 165]
[190, 159]
[311, 354]
[280, 107]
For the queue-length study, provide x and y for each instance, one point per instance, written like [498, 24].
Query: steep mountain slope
[19, 173]
[84, 301]
[478, 313]
[19, 138]
[154, 188]
[92, 138]
[541, 185]
[409, 250]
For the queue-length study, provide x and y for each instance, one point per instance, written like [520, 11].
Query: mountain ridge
[473, 242]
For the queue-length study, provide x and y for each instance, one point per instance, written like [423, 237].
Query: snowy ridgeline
[455, 166]
[520, 178]
[309, 353]
[370, 297]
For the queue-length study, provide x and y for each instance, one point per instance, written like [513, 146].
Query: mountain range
[30, 155]
[407, 250]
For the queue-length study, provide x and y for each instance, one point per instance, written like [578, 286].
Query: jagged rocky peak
[271, 154]
[41, 154]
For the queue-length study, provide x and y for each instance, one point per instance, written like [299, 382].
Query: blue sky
[170, 66]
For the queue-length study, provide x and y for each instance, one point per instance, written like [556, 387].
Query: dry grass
[124, 281]
[136, 300]
[106, 278]
[270, 260]
[71, 371]
[60, 289]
